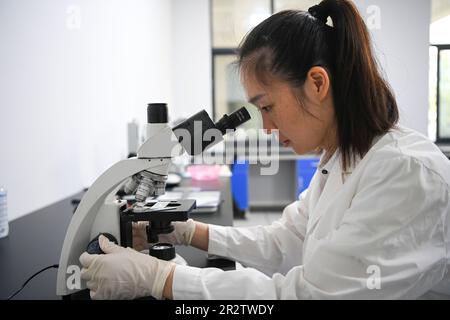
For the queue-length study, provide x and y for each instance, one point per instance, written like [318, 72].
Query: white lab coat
[379, 231]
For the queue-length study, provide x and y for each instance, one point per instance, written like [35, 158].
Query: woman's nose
[268, 124]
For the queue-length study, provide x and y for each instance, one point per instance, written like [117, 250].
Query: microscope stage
[173, 210]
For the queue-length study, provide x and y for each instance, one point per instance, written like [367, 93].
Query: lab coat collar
[335, 164]
[335, 178]
[332, 178]
[327, 165]
[336, 158]
[328, 183]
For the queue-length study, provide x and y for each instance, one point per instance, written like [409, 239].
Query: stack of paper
[204, 199]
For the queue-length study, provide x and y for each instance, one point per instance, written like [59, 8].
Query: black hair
[289, 43]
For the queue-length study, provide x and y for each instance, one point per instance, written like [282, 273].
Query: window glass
[444, 95]
[232, 19]
[228, 92]
[304, 5]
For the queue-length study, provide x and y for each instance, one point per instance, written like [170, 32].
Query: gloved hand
[123, 273]
[182, 235]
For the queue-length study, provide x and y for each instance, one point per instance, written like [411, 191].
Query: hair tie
[318, 12]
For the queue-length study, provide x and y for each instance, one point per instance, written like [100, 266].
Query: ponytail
[361, 96]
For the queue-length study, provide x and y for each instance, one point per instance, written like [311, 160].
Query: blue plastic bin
[239, 184]
[306, 168]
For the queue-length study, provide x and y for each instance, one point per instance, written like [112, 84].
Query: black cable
[30, 278]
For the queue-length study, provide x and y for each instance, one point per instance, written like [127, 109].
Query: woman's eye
[266, 108]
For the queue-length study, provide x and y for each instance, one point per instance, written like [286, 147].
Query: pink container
[204, 172]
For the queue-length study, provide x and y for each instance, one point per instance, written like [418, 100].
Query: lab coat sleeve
[391, 243]
[273, 248]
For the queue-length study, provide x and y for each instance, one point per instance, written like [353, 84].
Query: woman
[375, 221]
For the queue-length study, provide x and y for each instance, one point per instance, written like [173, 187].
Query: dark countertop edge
[445, 148]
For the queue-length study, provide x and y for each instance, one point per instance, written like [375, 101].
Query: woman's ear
[317, 84]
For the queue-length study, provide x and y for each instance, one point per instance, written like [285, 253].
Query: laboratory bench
[35, 241]
[255, 191]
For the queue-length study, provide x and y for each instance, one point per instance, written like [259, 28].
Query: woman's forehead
[254, 89]
[254, 86]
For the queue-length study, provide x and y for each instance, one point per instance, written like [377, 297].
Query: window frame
[221, 51]
[439, 47]
[215, 53]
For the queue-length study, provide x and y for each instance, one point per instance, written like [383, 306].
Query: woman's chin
[300, 150]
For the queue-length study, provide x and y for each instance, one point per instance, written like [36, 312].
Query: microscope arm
[80, 231]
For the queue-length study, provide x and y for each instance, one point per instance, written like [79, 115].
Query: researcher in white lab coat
[375, 221]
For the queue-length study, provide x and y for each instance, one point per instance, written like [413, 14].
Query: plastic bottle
[4, 224]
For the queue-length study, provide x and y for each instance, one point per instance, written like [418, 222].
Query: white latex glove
[182, 234]
[123, 273]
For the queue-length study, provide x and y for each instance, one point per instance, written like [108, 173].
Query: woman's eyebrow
[255, 99]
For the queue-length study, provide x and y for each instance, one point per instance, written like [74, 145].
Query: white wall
[66, 93]
[69, 83]
[401, 44]
[191, 57]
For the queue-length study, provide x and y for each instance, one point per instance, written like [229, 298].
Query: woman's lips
[286, 143]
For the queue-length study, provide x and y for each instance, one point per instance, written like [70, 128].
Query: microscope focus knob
[94, 246]
[163, 251]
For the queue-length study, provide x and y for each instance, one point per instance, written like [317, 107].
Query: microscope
[104, 210]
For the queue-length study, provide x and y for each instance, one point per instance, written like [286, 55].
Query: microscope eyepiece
[195, 127]
[234, 120]
[157, 113]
